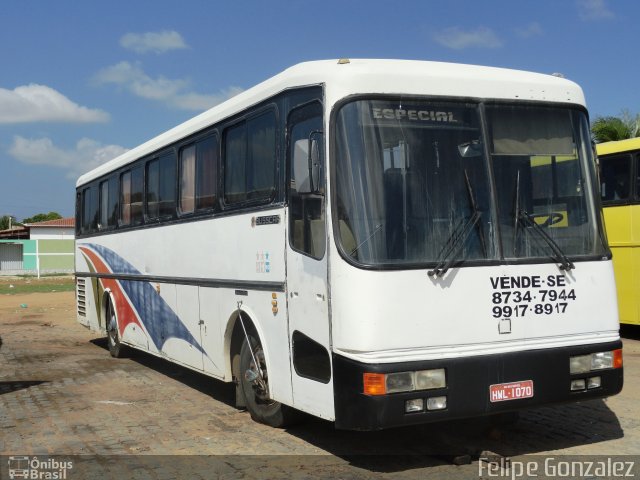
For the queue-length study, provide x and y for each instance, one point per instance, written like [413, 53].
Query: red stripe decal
[124, 310]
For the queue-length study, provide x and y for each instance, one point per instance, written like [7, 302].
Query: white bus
[374, 242]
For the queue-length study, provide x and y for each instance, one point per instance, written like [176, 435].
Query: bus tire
[116, 349]
[255, 388]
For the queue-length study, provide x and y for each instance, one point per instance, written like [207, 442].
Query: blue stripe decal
[153, 311]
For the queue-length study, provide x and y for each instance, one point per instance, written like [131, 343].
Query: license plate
[511, 391]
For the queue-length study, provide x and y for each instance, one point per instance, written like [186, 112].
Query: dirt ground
[61, 394]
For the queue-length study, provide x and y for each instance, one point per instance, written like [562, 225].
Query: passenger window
[187, 179]
[615, 178]
[306, 202]
[104, 206]
[250, 160]
[108, 204]
[206, 173]
[234, 165]
[198, 175]
[90, 209]
[637, 177]
[137, 189]
[125, 198]
[160, 190]
[131, 196]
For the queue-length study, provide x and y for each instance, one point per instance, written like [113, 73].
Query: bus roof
[356, 76]
[607, 148]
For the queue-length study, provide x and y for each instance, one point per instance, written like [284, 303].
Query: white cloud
[532, 30]
[157, 42]
[172, 92]
[86, 155]
[457, 39]
[594, 10]
[39, 103]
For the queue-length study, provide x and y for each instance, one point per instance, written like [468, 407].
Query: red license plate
[511, 391]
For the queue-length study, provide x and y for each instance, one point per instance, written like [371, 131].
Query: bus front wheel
[254, 382]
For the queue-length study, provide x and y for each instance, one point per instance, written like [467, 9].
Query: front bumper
[467, 390]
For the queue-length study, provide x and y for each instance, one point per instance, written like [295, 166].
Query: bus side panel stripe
[151, 308]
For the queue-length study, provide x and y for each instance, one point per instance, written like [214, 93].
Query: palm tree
[607, 129]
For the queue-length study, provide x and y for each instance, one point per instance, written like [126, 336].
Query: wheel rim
[112, 328]
[259, 379]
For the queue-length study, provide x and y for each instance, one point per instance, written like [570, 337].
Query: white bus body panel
[397, 316]
[227, 249]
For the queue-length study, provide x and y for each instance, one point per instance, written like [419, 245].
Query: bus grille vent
[82, 297]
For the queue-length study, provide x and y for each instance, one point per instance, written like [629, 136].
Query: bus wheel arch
[251, 380]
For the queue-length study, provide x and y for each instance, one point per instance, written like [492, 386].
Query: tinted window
[206, 173]
[250, 160]
[615, 178]
[235, 189]
[108, 204]
[131, 196]
[161, 176]
[262, 156]
[306, 210]
[125, 198]
[187, 179]
[198, 175]
[90, 209]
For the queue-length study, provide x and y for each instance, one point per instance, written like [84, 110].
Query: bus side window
[615, 178]
[131, 197]
[250, 160]
[637, 176]
[306, 203]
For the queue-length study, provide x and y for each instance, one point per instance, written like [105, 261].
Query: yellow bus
[620, 191]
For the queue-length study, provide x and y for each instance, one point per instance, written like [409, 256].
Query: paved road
[62, 395]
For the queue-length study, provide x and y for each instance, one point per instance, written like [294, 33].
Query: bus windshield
[416, 183]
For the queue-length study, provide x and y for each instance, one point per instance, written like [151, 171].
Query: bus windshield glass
[416, 183]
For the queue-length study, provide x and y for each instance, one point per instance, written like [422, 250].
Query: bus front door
[308, 311]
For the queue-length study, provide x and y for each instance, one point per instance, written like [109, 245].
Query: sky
[82, 82]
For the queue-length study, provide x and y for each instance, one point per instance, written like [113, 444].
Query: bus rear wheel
[254, 382]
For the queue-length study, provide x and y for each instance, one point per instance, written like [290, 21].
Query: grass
[22, 284]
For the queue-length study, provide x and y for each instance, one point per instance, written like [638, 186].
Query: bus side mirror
[316, 161]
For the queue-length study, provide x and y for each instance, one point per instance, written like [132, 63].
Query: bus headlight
[400, 382]
[581, 364]
[601, 360]
[383, 383]
[428, 379]
[595, 361]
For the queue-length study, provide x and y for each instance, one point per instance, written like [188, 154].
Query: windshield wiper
[560, 257]
[456, 241]
[524, 217]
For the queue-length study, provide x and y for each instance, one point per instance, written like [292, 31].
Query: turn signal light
[374, 383]
[617, 358]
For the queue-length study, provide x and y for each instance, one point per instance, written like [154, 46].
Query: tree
[42, 217]
[5, 220]
[607, 129]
